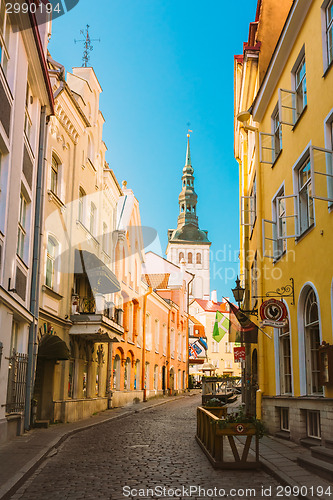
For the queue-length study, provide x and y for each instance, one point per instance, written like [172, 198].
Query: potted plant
[216, 406]
[238, 424]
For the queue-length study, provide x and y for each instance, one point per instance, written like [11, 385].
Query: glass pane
[49, 273]
[304, 173]
[329, 13]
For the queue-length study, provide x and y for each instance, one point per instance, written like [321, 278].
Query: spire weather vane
[188, 129]
[88, 47]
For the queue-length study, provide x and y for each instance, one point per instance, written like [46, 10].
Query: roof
[210, 306]
[195, 321]
[157, 281]
[189, 233]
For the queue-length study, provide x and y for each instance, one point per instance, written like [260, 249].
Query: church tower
[188, 243]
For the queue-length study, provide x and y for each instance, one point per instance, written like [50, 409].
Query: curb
[13, 484]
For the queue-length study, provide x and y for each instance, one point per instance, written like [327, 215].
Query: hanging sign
[239, 354]
[273, 313]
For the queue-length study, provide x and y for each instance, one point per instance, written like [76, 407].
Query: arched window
[190, 258]
[51, 254]
[181, 256]
[54, 176]
[116, 372]
[198, 258]
[90, 150]
[82, 195]
[285, 360]
[157, 334]
[137, 375]
[127, 375]
[130, 335]
[147, 374]
[156, 377]
[312, 342]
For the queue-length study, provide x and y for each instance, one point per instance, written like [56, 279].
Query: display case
[326, 364]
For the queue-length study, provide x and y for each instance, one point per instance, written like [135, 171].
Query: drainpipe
[35, 271]
[143, 385]
[261, 356]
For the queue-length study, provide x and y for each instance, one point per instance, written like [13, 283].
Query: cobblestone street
[149, 449]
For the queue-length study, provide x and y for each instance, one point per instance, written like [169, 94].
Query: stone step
[316, 466]
[41, 424]
[310, 442]
[283, 435]
[329, 443]
[322, 453]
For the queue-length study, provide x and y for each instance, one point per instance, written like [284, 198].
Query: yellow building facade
[283, 143]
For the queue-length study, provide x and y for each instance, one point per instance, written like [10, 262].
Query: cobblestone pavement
[155, 448]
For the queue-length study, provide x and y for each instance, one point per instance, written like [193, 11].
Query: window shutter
[322, 173]
[269, 238]
[287, 107]
[248, 211]
[290, 217]
[266, 147]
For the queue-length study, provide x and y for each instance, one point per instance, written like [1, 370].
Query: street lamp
[238, 294]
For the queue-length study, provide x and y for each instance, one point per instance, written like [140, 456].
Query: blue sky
[162, 64]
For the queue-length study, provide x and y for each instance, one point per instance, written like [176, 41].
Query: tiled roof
[210, 306]
[157, 281]
[195, 321]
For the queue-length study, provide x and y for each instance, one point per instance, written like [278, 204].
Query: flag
[241, 328]
[221, 326]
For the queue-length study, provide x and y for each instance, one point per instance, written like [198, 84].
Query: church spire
[188, 152]
[188, 197]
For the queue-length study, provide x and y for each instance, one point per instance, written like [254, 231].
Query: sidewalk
[21, 457]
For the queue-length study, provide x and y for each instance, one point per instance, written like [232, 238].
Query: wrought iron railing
[87, 305]
[17, 377]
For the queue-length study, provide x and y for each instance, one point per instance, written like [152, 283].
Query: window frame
[276, 132]
[22, 229]
[301, 91]
[51, 258]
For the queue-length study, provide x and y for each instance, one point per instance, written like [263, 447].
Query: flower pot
[218, 411]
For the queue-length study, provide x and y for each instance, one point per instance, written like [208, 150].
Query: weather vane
[188, 129]
[88, 47]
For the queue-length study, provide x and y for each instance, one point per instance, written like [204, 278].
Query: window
[54, 176]
[254, 281]
[279, 214]
[22, 226]
[147, 374]
[277, 132]
[130, 335]
[300, 87]
[4, 36]
[85, 379]
[284, 419]
[116, 372]
[285, 361]
[156, 377]
[127, 375]
[313, 424]
[306, 207]
[172, 343]
[227, 347]
[312, 343]
[198, 258]
[137, 375]
[70, 390]
[215, 346]
[253, 195]
[50, 259]
[165, 338]
[106, 239]
[82, 195]
[181, 256]
[157, 334]
[92, 220]
[329, 31]
[148, 332]
[228, 364]
[27, 119]
[190, 258]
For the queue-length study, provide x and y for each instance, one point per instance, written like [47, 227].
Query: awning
[101, 278]
[52, 347]
[94, 333]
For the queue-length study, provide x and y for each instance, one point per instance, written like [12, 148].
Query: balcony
[95, 319]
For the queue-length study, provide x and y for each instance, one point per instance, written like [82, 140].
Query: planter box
[236, 429]
[218, 411]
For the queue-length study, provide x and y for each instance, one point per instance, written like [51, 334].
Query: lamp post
[238, 293]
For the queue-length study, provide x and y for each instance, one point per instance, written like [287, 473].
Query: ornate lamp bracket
[287, 291]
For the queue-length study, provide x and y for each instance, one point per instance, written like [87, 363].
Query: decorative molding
[66, 123]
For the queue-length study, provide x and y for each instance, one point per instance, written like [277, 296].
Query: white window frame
[51, 258]
[276, 132]
[284, 419]
[283, 335]
[313, 427]
[326, 26]
[248, 212]
[4, 37]
[266, 148]
[157, 335]
[301, 86]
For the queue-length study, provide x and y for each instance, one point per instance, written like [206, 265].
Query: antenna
[88, 47]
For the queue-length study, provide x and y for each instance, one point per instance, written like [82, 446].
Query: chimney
[213, 296]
